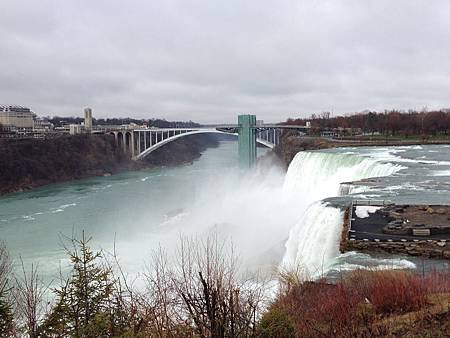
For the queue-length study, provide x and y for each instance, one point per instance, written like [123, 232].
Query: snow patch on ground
[363, 211]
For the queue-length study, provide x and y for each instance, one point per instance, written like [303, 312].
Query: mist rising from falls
[270, 216]
[260, 209]
[313, 241]
[248, 208]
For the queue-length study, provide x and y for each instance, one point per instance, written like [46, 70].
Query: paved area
[371, 228]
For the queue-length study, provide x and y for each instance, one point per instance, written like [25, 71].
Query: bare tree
[125, 303]
[200, 292]
[219, 303]
[29, 293]
[161, 305]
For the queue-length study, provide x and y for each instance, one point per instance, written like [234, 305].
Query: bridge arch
[172, 138]
[128, 141]
[119, 138]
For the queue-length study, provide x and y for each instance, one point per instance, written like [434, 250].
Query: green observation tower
[247, 140]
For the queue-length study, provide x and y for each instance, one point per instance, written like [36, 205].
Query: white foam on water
[391, 155]
[64, 206]
[357, 260]
[400, 264]
[441, 173]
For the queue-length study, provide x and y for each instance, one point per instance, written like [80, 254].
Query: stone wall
[427, 249]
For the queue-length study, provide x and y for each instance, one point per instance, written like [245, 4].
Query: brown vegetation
[362, 304]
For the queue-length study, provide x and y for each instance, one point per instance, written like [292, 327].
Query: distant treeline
[388, 122]
[58, 121]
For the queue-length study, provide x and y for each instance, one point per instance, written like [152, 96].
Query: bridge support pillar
[247, 140]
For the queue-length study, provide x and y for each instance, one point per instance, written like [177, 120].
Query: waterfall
[314, 240]
[320, 174]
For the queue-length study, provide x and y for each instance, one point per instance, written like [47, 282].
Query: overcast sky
[210, 60]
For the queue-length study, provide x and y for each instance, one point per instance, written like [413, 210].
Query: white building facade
[18, 117]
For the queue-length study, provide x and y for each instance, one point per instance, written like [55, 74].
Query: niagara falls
[237, 169]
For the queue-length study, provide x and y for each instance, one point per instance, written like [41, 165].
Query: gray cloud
[209, 60]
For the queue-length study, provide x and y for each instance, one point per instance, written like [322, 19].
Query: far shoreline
[79, 157]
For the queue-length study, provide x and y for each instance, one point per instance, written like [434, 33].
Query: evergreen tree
[6, 309]
[6, 312]
[82, 303]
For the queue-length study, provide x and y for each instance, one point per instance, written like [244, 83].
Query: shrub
[276, 323]
[389, 291]
[351, 306]
[320, 309]
[436, 282]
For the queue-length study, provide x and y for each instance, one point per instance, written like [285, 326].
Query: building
[88, 119]
[43, 128]
[329, 134]
[42, 125]
[16, 117]
[75, 129]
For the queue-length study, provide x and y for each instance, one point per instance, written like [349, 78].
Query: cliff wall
[25, 164]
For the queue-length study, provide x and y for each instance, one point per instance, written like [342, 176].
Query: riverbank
[30, 163]
[290, 145]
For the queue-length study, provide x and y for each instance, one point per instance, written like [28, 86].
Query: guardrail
[350, 217]
[372, 202]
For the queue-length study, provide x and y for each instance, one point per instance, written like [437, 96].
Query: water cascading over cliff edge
[313, 241]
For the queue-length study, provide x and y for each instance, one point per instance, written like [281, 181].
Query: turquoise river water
[273, 218]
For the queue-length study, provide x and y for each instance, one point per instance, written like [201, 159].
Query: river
[272, 217]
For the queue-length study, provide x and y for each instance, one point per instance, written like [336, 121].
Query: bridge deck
[140, 142]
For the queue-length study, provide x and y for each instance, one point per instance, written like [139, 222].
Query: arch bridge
[142, 142]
